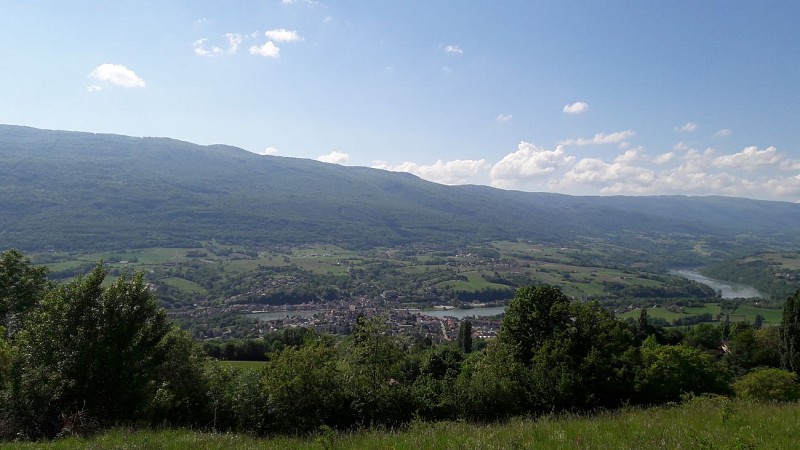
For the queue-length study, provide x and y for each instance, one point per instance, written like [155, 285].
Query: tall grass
[698, 424]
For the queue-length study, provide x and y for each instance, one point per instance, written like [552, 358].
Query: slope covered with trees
[83, 191]
[84, 356]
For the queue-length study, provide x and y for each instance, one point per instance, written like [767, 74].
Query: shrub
[768, 384]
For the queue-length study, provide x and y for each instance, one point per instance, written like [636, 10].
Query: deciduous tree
[790, 334]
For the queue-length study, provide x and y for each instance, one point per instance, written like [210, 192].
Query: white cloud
[612, 178]
[504, 117]
[200, 50]
[576, 108]
[750, 158]
[723, 133]
[453, 50]
[268, 151]
[663, 158]
[268, 50]
[529, 161]
[784, 187]
[688, 127]
[601, 138]
[234, 39]
[629, 156]
[94, 88]
[684, 170]
[283, 35]
[118, 75]
[460, 171]
[681, 147]
[334, 157]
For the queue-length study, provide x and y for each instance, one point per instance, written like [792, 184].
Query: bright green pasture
[710, 308]
[657, 312]
[669, 316]
[475, 282]
[184, 285]
[748, 313]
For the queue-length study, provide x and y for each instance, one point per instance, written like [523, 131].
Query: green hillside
[83, 191]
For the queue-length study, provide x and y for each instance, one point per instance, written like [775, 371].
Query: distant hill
[84, 191]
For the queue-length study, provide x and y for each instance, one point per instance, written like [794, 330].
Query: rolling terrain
[83, 191]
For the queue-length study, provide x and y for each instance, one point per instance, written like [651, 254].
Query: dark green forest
[82, 355]
[82, 191]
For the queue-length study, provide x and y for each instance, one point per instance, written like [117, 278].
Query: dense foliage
[85, 355]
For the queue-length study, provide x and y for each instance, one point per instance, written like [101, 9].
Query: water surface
[728, 289]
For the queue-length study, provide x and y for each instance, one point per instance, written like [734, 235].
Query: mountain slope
[71, 190]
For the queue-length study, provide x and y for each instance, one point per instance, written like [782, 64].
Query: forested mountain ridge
[82, 191]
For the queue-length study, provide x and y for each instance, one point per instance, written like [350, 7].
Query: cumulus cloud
[200, 50]
[117, 75]
[453, 50]
[784, 187]
[601, 138]
[576, 108]
[750, 158]
[234, 39]
[529, 161]
[681, 147]
[630, 156]
[684, 170]
[460, 171]
[503, 117]
[664, 158]
[609, 176]
[268, 151]
[723, 133]
[334, 157]
[94, 88]
[688, 127]
[282, 35]
[268, 50]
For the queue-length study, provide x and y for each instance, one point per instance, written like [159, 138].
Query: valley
[231, 291]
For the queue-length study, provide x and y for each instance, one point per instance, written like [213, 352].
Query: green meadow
[702, 423]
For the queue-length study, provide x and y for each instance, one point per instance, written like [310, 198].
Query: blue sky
[593, 97]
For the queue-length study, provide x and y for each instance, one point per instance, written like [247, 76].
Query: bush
[768, 385]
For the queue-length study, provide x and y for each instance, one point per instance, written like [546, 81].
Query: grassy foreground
[699, 424]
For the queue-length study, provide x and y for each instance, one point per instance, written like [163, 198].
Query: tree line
[83, 355]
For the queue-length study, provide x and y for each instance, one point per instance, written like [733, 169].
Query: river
[728, 289]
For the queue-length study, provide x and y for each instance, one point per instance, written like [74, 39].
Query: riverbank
[725, 288]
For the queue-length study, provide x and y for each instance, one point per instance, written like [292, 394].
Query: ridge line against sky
[584, 98]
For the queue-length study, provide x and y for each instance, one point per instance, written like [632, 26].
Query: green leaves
[87, 349]
[790, 334]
